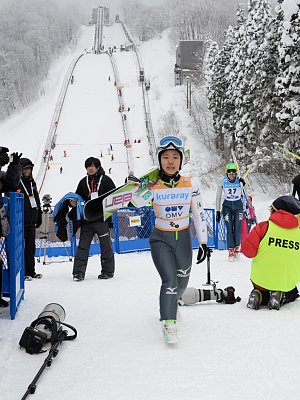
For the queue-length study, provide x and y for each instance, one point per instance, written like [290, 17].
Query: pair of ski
[134, 191]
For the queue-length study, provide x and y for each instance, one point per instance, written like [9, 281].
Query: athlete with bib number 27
[232, 208]
[171, 246]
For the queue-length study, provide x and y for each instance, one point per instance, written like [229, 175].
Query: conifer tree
[253, 82]
[234, 75]
[288, 81]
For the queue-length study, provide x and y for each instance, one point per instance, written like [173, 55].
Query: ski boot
[231, 255]
[170, 331]
[275, 299]
[237, 252]
[254, 300]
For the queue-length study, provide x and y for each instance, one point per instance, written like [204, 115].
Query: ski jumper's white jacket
[172, 205]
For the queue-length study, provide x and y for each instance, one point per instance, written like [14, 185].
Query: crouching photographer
[8, 183]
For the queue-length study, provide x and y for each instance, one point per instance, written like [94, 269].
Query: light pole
[189, 94]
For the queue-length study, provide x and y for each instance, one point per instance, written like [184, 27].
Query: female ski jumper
[170, 241]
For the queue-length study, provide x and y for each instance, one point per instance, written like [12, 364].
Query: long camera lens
[52, 310]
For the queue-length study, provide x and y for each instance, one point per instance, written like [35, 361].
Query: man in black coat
[8, 183]
[93, 185]
[32, 216]
[296, 186]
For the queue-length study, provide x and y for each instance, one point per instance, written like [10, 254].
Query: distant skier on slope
[274, 246]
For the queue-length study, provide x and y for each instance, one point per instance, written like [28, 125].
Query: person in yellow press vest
[274, 246]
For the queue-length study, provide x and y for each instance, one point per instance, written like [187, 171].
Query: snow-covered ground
[224, 350]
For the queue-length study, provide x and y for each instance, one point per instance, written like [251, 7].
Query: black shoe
[78, 277]
[275, 300]
[3, 303]
[33, 276]
[104, 275]
[36, 276]
[254, 299]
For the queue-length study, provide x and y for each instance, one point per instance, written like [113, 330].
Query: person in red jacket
[274, 246]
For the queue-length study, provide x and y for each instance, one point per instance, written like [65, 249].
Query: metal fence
[131, 232]
[12, 253]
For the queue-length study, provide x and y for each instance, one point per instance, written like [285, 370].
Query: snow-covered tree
[288, 81]
[252, 82]
[6, 85]
[234, 73]
[32, 34]
[217, 86]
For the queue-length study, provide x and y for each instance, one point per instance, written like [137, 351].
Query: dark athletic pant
[233, 214]
[88, 230]
[29, 250]
[173, 260]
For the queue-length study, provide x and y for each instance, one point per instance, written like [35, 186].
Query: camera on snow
[46, 328]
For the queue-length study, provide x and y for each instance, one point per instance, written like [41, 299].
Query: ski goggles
[231, 171]
[173, 140]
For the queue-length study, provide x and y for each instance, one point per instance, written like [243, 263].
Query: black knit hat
[25, 162]
[287, 203]
[92, 160]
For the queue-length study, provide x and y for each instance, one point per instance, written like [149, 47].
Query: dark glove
[16, 158]
[4, 159]
[218, 216]
[111, 225]
[241, 180]
[132, 178]
[228, 297]
[202, 253]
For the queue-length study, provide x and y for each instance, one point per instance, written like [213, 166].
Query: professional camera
[46, 328]
[46, 199]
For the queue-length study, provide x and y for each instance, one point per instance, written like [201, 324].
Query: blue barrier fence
[131, 232]
[12, 253]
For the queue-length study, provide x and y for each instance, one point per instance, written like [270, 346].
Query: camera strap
[52, 325]
[49, 323]
[70, 337]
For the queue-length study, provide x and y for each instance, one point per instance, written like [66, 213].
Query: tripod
[44, 233]
[61, 336]
[208, 256]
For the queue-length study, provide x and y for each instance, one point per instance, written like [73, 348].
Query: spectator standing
[32, 216]
[8, 183]
[92, 186]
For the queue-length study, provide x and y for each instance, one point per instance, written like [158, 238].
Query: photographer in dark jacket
[8, 183]
[32, 216]
[95, 184]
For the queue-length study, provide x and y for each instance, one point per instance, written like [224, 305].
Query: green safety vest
[277, 263]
